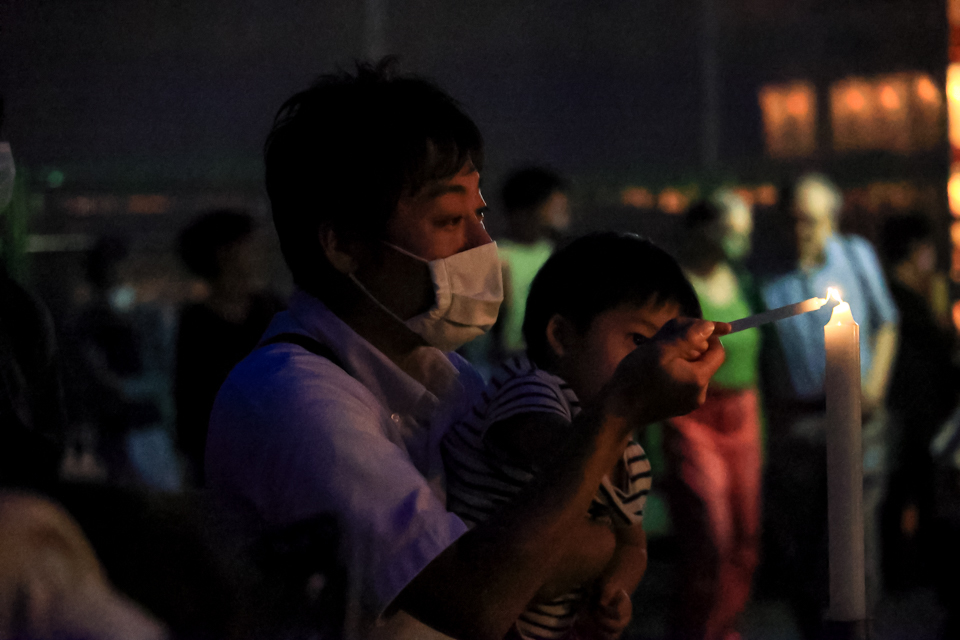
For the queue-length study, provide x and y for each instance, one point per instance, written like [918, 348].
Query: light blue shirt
[852, 267]
[293, 435]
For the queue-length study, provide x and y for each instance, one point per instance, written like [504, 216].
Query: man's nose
[477, 235]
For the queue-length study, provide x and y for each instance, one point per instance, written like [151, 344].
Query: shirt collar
[396, 389]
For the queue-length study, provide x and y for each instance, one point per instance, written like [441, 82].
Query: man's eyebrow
[440, 188]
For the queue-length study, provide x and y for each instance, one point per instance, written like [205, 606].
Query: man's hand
[606, 618]
[668, 375]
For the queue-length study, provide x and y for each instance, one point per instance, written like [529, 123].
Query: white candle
[844, 466]
[777, 314]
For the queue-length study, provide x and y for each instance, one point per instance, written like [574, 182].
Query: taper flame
[832, 292]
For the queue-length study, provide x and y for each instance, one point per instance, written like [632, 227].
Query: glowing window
[900, 112]
[789, 119]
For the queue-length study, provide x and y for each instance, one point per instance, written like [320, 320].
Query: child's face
[592, 357]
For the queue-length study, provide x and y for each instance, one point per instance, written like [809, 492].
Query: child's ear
[560, 335]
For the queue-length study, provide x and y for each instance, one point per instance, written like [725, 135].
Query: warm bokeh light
[855, 100]
[765, 195]
[953, 103]
[927, 91]
[798, 103]
[672, 201]
[953, 191]
[789, 118]
[889, 98]
[637, 197]
[899, 112]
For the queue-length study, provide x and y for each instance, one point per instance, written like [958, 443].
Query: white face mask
[7, 173]
[469, 289]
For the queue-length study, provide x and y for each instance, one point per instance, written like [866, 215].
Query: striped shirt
[481, 479]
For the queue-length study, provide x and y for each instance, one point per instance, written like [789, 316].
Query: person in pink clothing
[714, 453]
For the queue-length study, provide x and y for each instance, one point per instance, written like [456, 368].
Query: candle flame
[832, 292]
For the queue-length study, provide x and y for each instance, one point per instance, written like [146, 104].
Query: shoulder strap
[315, 347]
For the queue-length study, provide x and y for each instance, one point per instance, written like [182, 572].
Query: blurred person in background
[923, 391]
[537, 211]
[215, 334]
[714, 453]
[795, 507]
[111, 390]
[32, 415]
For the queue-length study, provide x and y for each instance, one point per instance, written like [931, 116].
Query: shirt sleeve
[530, 393]
[305, 438]
[878, 292]
[629, 499]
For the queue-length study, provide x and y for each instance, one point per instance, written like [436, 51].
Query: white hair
[820, 195]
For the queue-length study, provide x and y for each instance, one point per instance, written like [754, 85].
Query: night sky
[590, 88]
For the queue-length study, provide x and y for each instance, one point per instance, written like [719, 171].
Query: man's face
[445, 218]
[813, 220]
[555, 212]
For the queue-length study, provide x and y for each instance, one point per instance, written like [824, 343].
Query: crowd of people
[438, 435]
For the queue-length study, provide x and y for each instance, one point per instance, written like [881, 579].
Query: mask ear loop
[366, 292]
[404, 252]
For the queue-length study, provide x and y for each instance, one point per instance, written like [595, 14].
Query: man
[796, 494]
[535, 204]
[924, 389]
[374, 182]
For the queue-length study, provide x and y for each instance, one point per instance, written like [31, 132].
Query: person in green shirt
[714, 453]
[537, 211]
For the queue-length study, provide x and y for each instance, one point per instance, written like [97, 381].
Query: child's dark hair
[596, 273]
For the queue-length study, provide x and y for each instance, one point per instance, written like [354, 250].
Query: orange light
[745, 194]
[855, 100]
[955, 233]
[766, 195]
[953, 192]
[889, 98]
[927, 91]
[672, 201]
[797, 104]
[637, 197]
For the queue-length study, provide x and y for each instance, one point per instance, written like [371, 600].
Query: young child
[589, 306]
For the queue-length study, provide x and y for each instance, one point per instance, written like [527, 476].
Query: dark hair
[103, 258]
[596, 273]
[343, 152]
[525, 190]
[701, 214]
[199, 242]
[900, 234]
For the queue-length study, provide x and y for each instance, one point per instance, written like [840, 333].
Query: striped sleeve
[628, 500]
[532, 393]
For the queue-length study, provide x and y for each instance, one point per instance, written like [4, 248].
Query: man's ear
[560, 335]
[336, 251]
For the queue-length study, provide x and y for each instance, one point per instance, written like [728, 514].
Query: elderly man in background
[796, 484]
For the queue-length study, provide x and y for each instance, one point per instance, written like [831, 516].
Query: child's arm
[536, 438]
[610, 610]
[629, 561]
